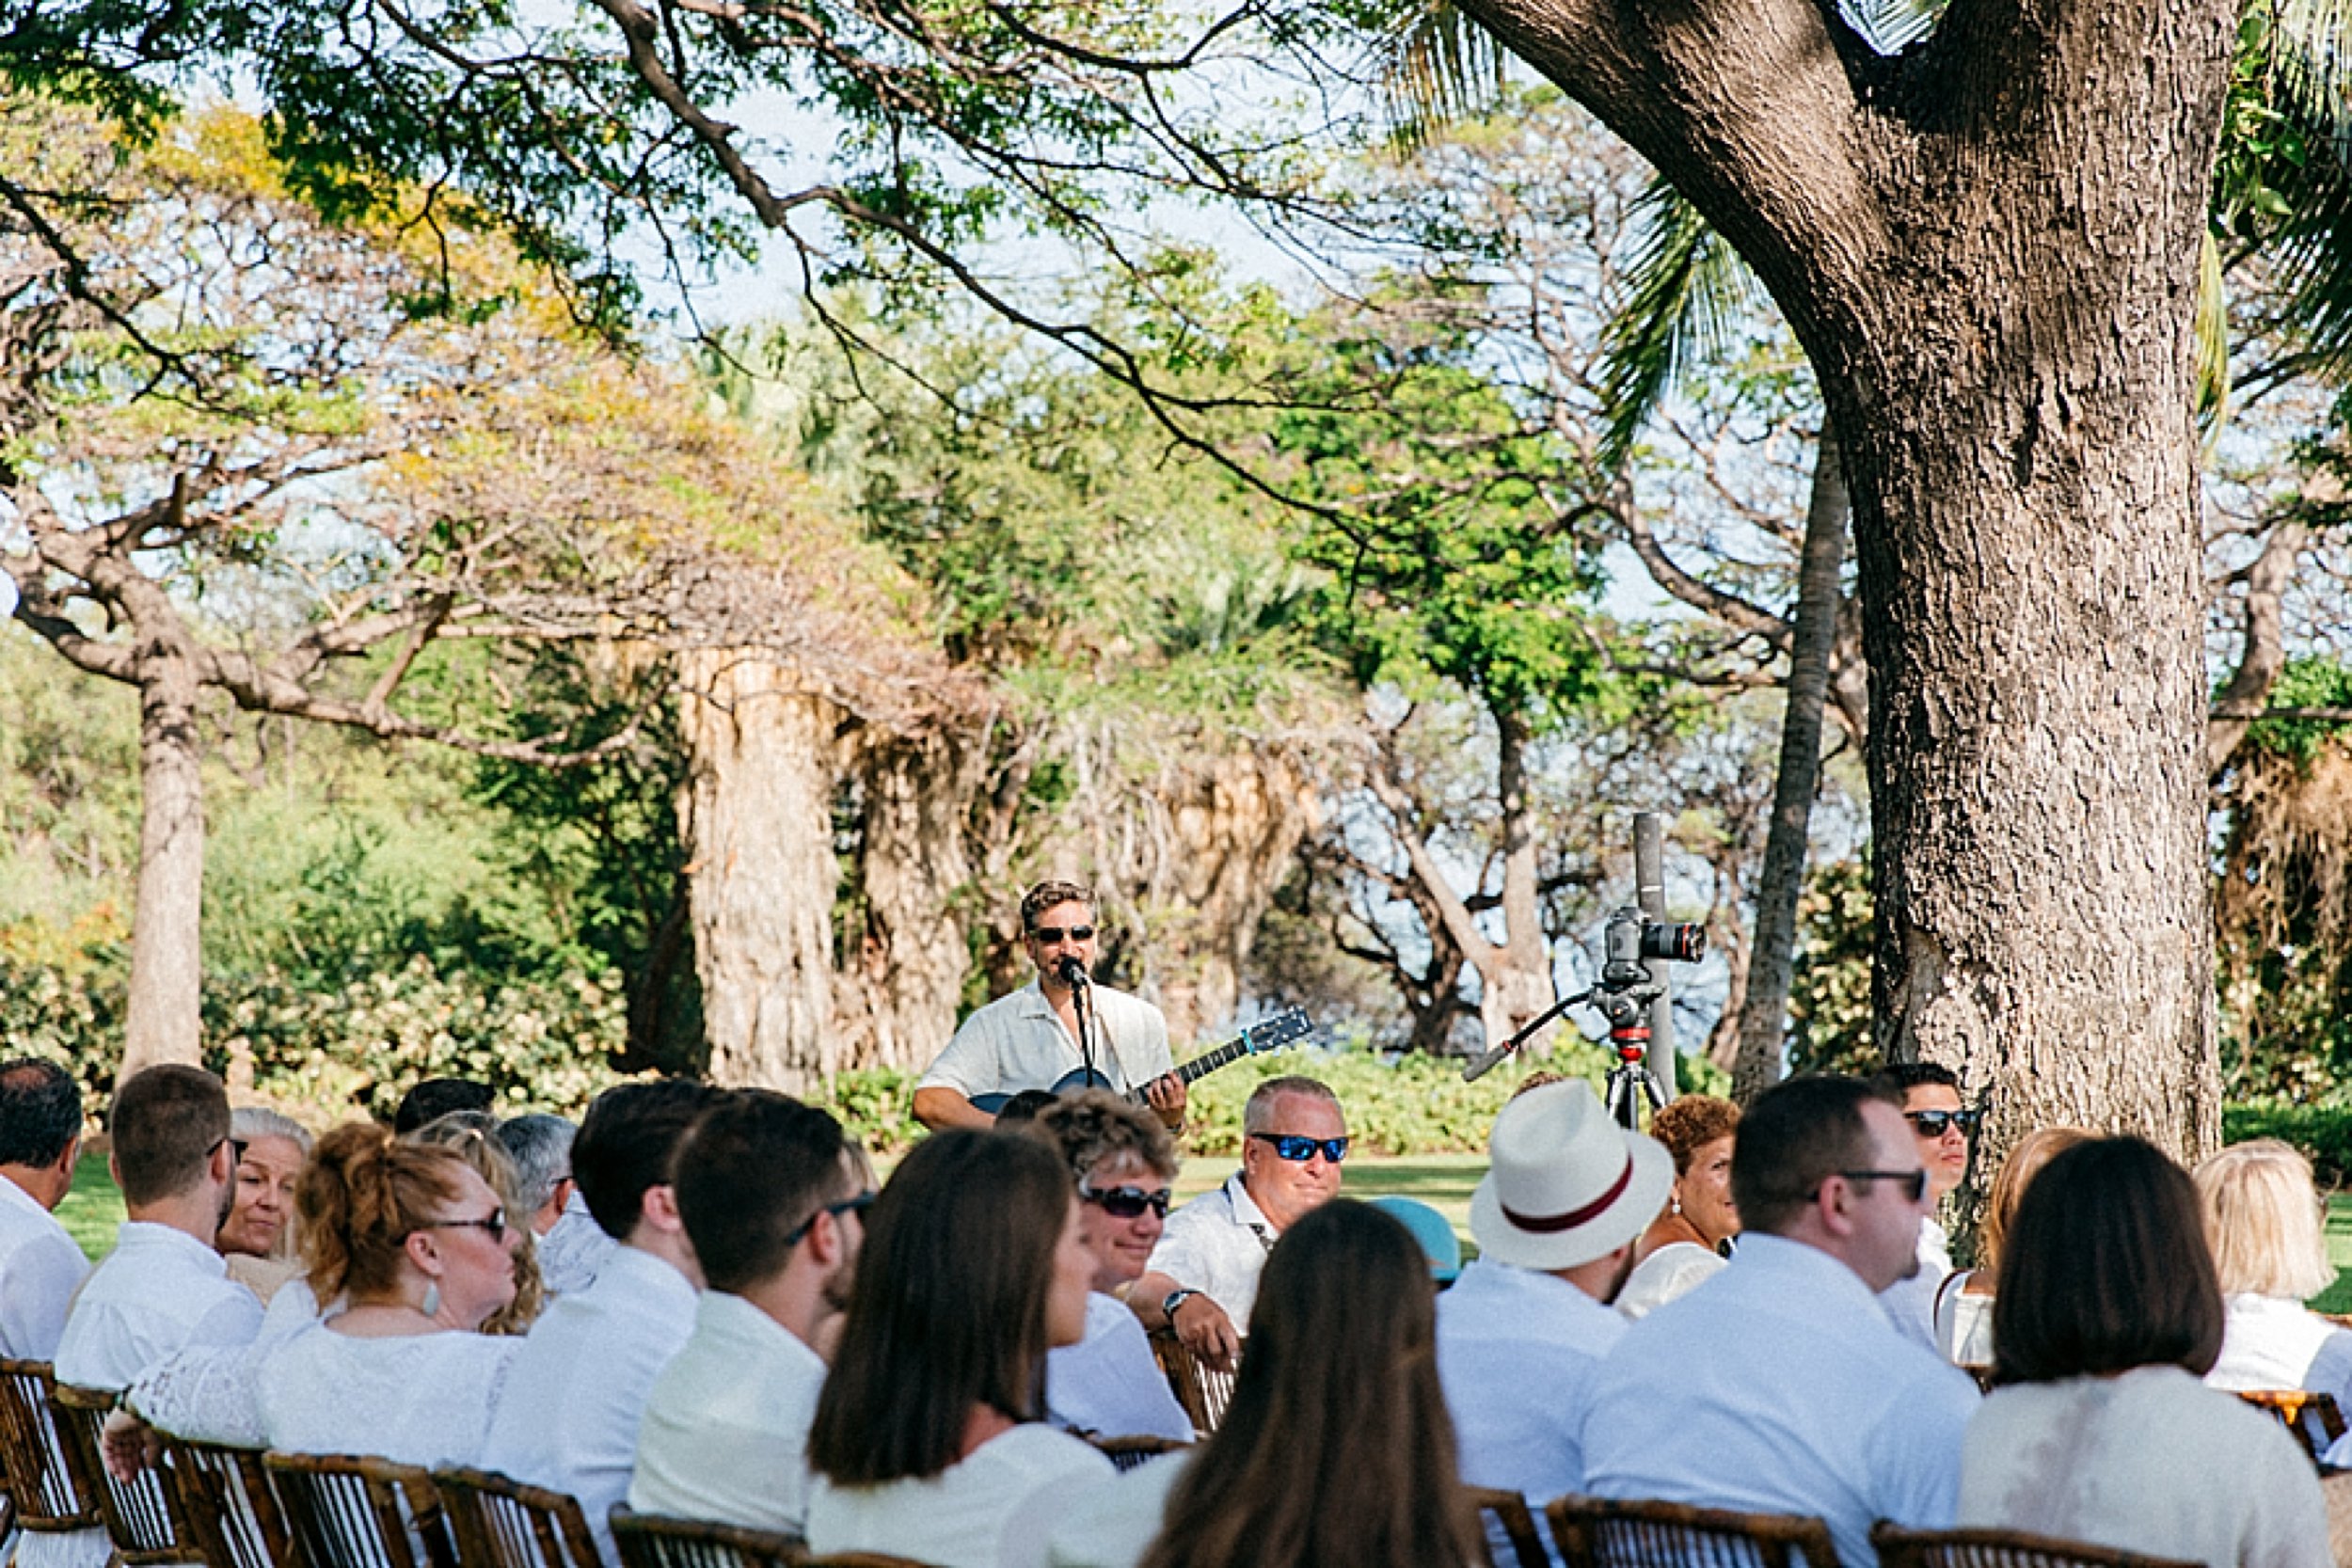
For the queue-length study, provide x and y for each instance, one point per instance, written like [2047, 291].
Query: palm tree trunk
[1763, 1012]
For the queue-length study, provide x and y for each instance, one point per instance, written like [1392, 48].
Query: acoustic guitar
[1285, 1028]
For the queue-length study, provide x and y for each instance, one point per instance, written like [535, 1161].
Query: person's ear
[71, 1157]
[423, 1252]
[660, 1206]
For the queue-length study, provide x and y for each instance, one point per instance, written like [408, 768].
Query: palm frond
[2311, 57]
[1685, 287]
[2213, 336]
[1437, 65]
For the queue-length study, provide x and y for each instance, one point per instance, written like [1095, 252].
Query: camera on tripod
[1628, 986]
[1631, 938]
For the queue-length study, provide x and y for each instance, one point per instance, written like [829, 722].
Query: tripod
[1630, 1080]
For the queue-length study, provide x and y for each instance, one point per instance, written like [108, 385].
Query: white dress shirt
[1516, 1352]
[574, 1249]
[40, 1268]
[2149, 1462]
[1779, 1387]
[1110, 1383]
[725, 1432]
[993, 1508]
[569, 1421]
[1217, 1245]
[1911, 1303]
[159, 1291]
[1018, 1042]
[1115, 1525]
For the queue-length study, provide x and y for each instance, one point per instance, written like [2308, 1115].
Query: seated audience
[1203, 1276]
[568, 1420]
[2265, 1223]
[1521, 1333]
[1684, 1244]
[40, 1266]
[258, 1237]
[414, 1244]
[541, 1146]
[1945, 1133]
[772, 1197]
[1339, 1383]
[1779, 1385]
[2108, 1313]
[930, 1440]
[431, 1098]
[1963, 1307]
[1122, 1155]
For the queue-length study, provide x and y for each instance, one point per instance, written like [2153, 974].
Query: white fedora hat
[1567, 1184]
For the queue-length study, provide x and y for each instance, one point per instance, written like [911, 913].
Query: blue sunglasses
[1300, 1148]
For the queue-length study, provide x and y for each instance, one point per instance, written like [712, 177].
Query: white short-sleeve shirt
[1516, 1354]
[159, 1291]
[993, 1508]
[1109, 1383]
[1018, 1042]
[1217, 1245]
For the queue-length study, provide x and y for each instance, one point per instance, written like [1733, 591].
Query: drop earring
[432, 1298]
[1678, 1206]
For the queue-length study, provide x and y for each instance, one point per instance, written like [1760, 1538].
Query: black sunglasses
[1052, 934]
[1933, 1124]
[1126, 1203]
[494, 1222]
[857, 1205]
[1912, 1183]
[1300, 1148]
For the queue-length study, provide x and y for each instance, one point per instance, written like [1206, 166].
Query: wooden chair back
[1128, 1452]
[1594, 1532]
[1201, 1388]
[226, 1506]
[140, 1514]
[651, 1541]
[357, 1510]
[1998, 1548]
[2313, 1419]
[46, 1491]
[499, 1523]
[1508, 1511]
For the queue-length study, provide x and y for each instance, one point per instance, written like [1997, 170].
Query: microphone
[1073, 970]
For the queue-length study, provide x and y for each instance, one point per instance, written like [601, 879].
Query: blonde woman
[2263, 1219]
[1963, 1304]
[258, 1237]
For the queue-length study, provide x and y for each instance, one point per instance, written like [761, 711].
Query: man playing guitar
[1033, 1039]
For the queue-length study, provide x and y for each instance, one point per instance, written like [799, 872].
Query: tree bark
[1988, 246]
[902, 970]
[763, 762]
[1763, 1013]
[163, 1018]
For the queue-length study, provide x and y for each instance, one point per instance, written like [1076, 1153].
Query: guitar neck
[1223, 1055]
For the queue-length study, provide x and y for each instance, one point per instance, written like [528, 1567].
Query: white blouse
[993, 1508]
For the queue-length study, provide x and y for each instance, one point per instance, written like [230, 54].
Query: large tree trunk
[1763, 1012]
[1515, 978]
[902, 969]
[1988, 246]
[763, 762]
[163, 1021]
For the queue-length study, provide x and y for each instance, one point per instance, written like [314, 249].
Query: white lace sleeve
[210, 1395]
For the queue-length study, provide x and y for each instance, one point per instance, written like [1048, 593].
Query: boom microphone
[1073, 970]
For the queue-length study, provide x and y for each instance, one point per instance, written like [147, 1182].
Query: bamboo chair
[46, 1491]
[140, 1514]
[2313, 1419]
[1508, 1511]
[651, 1541]
[1201, 1390]
[500, 1523]
[226, 1507]
[1594, 1532]
[350, 1511]
[1998, 1548]
[1127, 1453]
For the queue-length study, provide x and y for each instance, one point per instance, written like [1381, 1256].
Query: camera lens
[1682, 944]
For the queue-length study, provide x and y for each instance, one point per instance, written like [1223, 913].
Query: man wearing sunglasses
[1204, 1277]
[1945, 1133]
[1041, 1035]
[1778, 1386]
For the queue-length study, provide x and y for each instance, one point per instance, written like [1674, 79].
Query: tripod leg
[1656, 1091]
[1621, 1107]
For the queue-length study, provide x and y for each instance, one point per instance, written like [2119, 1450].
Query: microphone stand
[1073, 974]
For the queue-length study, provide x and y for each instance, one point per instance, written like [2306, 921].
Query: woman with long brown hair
[930, 1440]
[1336, 1448]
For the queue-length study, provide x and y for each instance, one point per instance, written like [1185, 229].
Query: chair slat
[2000, 1548]
[1203, 1391]
[1595, 1533]
[650, 1540]
[1511, 1515]
[45, 1488]
[498, 1522]
[137, 1512]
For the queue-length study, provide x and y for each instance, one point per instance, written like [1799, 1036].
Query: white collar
[147, 1236]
